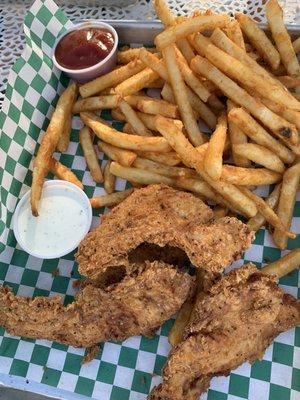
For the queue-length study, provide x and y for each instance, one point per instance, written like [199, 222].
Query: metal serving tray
[130, 32]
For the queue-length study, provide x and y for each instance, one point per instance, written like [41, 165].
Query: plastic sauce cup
[102, 67]
[65, 216]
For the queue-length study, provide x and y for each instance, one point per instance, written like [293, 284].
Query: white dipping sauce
[62, 222]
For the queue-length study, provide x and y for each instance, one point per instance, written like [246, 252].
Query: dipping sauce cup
[86, 51]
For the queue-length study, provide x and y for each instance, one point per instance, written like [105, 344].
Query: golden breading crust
[234, 323]
[162, 216]
[136, 306]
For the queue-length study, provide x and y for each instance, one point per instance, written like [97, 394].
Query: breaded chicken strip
[162, 216]
[136, 306]
[234, 323]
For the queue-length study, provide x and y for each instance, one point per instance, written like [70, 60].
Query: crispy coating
[136, 306]
[162, 216]
[234, 323]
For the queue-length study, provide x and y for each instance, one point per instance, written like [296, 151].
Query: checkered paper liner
[125, 370]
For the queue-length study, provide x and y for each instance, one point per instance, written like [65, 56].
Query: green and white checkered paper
[125, 370]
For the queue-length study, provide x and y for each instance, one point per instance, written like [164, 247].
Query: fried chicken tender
[235, 322]
[162, 216]
[136, 306]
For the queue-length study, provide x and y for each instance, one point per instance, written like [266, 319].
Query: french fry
[215, 103]
[172, 172]
[63, 172]
[284, 265]
[86, 142]
[124, 57]
[296, 45]
[96, 103]
[110, 200]
[220, 212]
[258, 134]
[133, 99]
[255, 56]
[239, 71]
[127, 128]
[136, 82]
[180, 93]
[182, 319]
[287, 199]
[154, 63]
[158, 107]
[249, 176]
[139, 175]
[170, 158]
[111, 79]
[186, 49]
[117, 114]
[202, 110]
[281, 37]
[191, 157]
[256, 222]
[233, 31]
[223, 42]
[259, 40]
[119, 139]
[156, 84]
[123, 157]
[267, 212]
[289, 82]
[237, 136]
[109, 179]
[260, 155]
[279, 126]
[167, 94]
[49, 143]
[64, 140]
[164, 13]
[133, 119]
[192, 25]
[213, 159]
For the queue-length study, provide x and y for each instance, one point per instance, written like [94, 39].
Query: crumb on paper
[55, 272]
[76, 284]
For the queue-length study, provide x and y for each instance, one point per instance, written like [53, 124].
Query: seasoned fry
[281, 37]
[233, 31]
[167, 94]
[133, 119]
[258, 134]
[182, 319]
[125, 56]
[287, 199]
[96, 103]
[49, 143]
[186, 49]
[256, 222]
[111, 79]
[110, 200]
[117, 114]
[237, 136]
[63, 172]
[289, 82]
[260, 155]
[86, 142]
[284, 265]
[192, 25]
[288, 114]
[180, 93]
[259, 40]
[127, 128]
[191, 157]
[160, 107]
[109, 179]
[236, 70]
[172, 172]
[123, 157]
[119, 139]
[213, 159]
[139, 175]
[223, 42]
[136, 82]
[202, 110]
[156, 84]
[249, 176]
[220, 212]
[154, 63]
[163, 12]
[170, 158]
[280, 127]
[133, 99]
[267, 212]
[64, 140]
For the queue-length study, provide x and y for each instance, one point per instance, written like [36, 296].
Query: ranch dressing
[62, 222]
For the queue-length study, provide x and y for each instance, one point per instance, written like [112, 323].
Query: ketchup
[83, 48]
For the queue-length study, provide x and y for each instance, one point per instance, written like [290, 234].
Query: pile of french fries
[240, 83]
